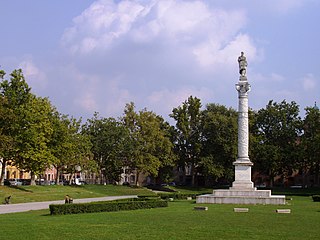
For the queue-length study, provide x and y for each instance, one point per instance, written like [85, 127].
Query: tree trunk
[101, 177]
[57, 176]
[271, 179]
[193, 175]
[71, 177]
[3, 171]
[317, 175]
[184, 175]
[137, 178]
[33, 179]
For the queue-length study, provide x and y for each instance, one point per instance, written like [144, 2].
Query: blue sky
[89, 56]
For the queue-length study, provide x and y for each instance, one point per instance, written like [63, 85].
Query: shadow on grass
[21, 189]
[45, 215]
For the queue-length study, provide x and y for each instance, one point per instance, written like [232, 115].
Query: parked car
[15, 182]
[25, 181]
[6, 182]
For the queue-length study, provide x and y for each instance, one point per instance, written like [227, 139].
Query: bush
[148, 196]
[109, 206]
[161, 188]
[178, 196]
[316, 198]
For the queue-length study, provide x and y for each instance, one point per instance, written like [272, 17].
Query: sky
[91, 56]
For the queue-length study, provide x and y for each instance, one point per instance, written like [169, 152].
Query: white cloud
[271, 78]
[36, 78]
[86, 102]
[212, 55]
[95, 93]
[285, 6]
[309, 82]
[170, 99]
[101, 24]
[210, 34]
[134, 48]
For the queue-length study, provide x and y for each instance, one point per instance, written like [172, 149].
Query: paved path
[24, 207]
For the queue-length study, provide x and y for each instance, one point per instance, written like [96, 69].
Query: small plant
[177, 196]
[316, 198]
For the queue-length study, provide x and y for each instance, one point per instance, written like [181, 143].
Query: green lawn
[23, 194]
[178, 221]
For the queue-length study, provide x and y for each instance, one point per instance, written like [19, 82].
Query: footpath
[24, 207]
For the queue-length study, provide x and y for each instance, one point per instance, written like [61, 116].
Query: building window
[132, 179]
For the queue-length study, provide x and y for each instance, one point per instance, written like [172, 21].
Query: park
[177, 221]
[171, 212]
[162, 119]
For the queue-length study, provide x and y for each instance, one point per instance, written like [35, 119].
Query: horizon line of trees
[34, 136]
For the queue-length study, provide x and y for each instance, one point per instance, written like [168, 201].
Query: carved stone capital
[243, 87]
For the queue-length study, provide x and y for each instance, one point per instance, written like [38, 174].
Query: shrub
[178, 196]
[109, 206]
[149, 196]
[161, 188]
[316, 198]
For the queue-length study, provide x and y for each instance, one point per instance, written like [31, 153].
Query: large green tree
[310, 160]
[33, 153]
[111, 145]
[188, 139]
[277, 129]
[152, 146]
[219, 142]
[69, 146]
[30, 128]
[15, 95]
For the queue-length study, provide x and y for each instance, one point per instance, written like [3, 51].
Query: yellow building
[13, 172]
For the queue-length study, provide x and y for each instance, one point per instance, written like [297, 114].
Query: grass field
[24, 194]
[178, 221]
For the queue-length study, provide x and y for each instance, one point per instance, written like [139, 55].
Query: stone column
[243, 163]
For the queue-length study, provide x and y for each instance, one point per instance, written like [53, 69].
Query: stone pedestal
[231, 196]
[242, 176]
[242, 190]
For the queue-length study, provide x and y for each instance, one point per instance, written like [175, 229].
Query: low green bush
[178, 196]
[316, 198]
[109, 206]
[149, 196]
[161, 188]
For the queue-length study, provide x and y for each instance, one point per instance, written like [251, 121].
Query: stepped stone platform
[244, 196]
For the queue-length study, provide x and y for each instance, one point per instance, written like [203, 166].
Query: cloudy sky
[89, 56]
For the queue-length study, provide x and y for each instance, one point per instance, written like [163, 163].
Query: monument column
[242, 190]
[243, 163]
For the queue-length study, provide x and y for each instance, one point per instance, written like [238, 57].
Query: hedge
[316, 198]
[109, 206]
[178, 196]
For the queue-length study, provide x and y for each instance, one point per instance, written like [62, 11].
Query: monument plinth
[242, 190]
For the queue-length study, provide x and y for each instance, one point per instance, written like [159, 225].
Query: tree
[152, 146]
[33, 153]
[311, 142]
[80, 155]
[30, 127]
[219, 141]
[15, 94]
[278, 128]
[110, 145]
[188, 141]
[70, 148]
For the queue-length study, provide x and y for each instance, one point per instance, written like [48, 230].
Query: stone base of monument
[242, 196]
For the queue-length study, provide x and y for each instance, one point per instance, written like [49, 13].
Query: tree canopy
[202, 144]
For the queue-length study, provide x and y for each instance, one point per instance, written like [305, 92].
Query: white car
[15, 182]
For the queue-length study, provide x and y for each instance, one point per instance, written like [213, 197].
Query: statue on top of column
[242, 60]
